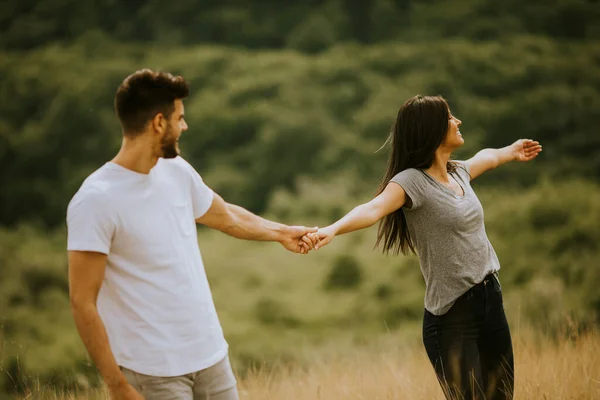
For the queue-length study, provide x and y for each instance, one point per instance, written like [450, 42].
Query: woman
[428, 207]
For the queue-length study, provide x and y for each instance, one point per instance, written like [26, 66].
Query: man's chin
[170, 153]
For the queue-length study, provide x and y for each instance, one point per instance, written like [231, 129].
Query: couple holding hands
[139, 293]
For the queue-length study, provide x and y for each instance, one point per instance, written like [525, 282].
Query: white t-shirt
[155, 300]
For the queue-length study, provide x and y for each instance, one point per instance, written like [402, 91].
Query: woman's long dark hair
[420, 128]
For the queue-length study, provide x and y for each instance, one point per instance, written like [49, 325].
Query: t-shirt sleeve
[409, 180]
[90, 226]
[463, 170]
[202, 195]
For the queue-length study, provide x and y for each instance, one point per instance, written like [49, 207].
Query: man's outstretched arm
[242, 224]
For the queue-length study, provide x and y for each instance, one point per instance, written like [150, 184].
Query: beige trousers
[213, 383]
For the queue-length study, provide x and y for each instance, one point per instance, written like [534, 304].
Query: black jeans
[470, 346]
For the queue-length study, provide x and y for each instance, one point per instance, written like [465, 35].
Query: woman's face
[454, 138]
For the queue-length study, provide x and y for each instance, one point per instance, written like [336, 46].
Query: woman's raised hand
[526, 149]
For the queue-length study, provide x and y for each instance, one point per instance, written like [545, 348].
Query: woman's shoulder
[410, 178]
[462, 169]
[409, 173]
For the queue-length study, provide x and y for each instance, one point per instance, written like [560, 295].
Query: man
[139, 293]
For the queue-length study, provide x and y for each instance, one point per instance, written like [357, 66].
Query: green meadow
[278, 308]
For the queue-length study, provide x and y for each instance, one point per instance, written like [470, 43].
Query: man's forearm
[93, 333]
[245, 225]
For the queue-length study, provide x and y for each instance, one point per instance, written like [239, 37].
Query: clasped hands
[301, 239]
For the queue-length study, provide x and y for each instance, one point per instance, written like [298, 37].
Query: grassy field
[568, 368]
[343, 322]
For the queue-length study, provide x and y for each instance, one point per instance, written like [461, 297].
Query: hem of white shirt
[203, 364]
[77, 246]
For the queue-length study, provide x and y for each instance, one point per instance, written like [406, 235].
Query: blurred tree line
[259, 121]
[328, 95]
[309, 25]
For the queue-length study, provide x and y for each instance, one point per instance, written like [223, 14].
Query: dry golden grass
[545, 369]
[569, 369]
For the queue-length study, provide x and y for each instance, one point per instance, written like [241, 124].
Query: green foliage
[264, 122]
[316, 35]
[270, 303]
[271, 312]
[383, 291]
[307, 25]
[345, 274]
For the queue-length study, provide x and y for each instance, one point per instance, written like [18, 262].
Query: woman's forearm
[504, 155]
[493, 158]
[360, 217]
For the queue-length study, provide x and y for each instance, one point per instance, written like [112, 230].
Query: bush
[345, 274]
[383, 291]
[271, 312]
[315, 35]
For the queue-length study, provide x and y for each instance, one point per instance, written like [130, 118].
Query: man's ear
[159, 123]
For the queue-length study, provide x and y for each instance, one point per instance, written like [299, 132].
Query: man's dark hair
[144, 94]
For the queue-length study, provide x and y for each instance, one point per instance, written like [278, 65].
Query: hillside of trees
[309, 25]
[257, 117]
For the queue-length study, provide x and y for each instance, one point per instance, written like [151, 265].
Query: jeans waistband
[490, 280]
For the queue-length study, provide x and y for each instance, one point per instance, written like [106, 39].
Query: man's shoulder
[95, 188]
[177, 163]
[91, 195]
[178, 167]
[98, 182]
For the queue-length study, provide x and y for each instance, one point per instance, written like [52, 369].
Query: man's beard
[169, 146]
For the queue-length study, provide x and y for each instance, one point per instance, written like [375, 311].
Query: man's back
[155, 300]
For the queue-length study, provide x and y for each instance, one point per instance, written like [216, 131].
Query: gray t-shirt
[449, 235]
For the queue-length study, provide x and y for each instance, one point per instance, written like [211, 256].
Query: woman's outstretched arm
[364, 215]
[521, 150]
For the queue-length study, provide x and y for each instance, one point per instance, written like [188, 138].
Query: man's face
[176, 125]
